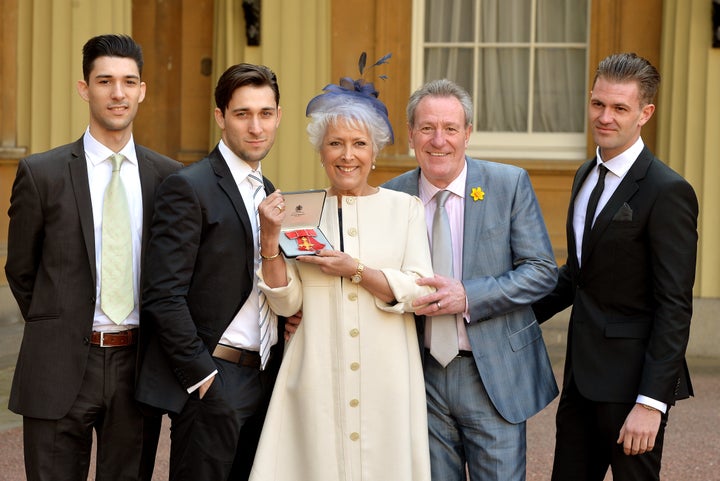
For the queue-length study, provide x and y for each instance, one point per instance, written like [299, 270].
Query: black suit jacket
[632, 297]
[51, 271]
[198, 274]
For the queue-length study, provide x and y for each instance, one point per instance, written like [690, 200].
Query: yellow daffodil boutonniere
[477, 194]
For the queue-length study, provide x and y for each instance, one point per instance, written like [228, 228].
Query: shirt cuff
[660, 406]
[194, 387]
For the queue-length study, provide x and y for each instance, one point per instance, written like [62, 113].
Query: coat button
[354, 403]
[349, 200]
[354, 366]
[354, 436]
[354, 332]
[352, 232]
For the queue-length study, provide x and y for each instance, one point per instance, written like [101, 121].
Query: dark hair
[241, 75]
[629, 67]
[440, 88]
[110, 46]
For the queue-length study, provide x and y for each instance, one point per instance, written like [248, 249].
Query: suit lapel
[149, 180]
[474, 215]
[582, 174]
[227, 184]
[81, 187]
[624, 192]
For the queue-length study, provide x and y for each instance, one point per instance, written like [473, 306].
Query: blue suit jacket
[508, 264]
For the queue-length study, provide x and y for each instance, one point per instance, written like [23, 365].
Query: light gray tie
[266, 318]
[443, 333]
[116, 267]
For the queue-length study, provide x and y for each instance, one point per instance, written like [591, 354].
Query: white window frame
[505, 145]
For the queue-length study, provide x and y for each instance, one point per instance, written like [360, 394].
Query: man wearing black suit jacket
[200, 293]
[629, 277]
[76, 367]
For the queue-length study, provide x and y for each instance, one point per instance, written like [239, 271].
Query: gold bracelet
[650, 408]
[269, 258]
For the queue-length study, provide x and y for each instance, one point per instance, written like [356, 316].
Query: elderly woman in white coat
[349, 402]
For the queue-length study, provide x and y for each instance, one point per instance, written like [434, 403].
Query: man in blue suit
[502, 262]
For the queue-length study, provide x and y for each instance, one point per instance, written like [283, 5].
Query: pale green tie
[443, 329]
[116, 277]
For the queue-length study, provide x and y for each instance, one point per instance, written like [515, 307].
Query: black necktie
[593, 201]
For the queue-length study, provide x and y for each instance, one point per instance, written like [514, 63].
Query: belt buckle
[102, 339]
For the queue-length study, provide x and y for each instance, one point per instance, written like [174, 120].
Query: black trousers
[586, 442]
[59, 450]
[215, 438]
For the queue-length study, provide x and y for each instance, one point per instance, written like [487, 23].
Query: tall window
[523, 61]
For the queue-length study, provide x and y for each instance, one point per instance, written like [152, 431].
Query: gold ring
[438, 304]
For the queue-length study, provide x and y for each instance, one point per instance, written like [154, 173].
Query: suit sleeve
[673, 240]
[560, 298]
[25, 237]
[169, 264]
[532, 273]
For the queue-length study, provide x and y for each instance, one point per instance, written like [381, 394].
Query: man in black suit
[629, 277]
[206, 363]
[76, 367]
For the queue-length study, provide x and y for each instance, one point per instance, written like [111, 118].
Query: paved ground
[692, 444]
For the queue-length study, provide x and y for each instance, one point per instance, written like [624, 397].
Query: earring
[373, 166]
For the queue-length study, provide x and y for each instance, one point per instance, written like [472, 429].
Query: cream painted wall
[689, 122]
[295, 44]
[51, 34]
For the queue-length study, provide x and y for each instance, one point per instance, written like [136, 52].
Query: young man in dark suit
[76, 368]
[208, 363]
[632, 242]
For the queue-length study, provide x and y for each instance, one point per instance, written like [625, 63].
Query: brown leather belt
[235, 355]
[114, 339]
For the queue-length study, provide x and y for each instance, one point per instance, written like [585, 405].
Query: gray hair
[357, 115]
[441, 88]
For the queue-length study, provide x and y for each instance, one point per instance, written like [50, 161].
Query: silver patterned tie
[116, 267]
[266, 318]
[443, 334]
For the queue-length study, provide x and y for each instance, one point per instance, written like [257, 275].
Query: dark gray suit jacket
[507, 265]
[51, 271]
[198, 274]
[632, 297]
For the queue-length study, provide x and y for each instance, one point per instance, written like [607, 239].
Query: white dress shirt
[455, 207]
[99, 168]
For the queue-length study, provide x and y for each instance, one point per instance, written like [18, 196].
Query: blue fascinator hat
[348, 90]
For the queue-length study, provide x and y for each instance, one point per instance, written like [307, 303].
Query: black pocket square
[624, 214]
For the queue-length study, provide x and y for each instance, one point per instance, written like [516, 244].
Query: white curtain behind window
[501, 64]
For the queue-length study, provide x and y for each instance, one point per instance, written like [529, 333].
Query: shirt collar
[98, 153]
[238, 167]
[427, 191]
[620, 164]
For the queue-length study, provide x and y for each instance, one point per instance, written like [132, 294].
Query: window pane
[562, 21]
[502, 99]
[505, 21]
[559, 90]
[449, 20]
[455, 64]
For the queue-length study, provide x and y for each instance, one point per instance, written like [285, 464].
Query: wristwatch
[357, 277]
